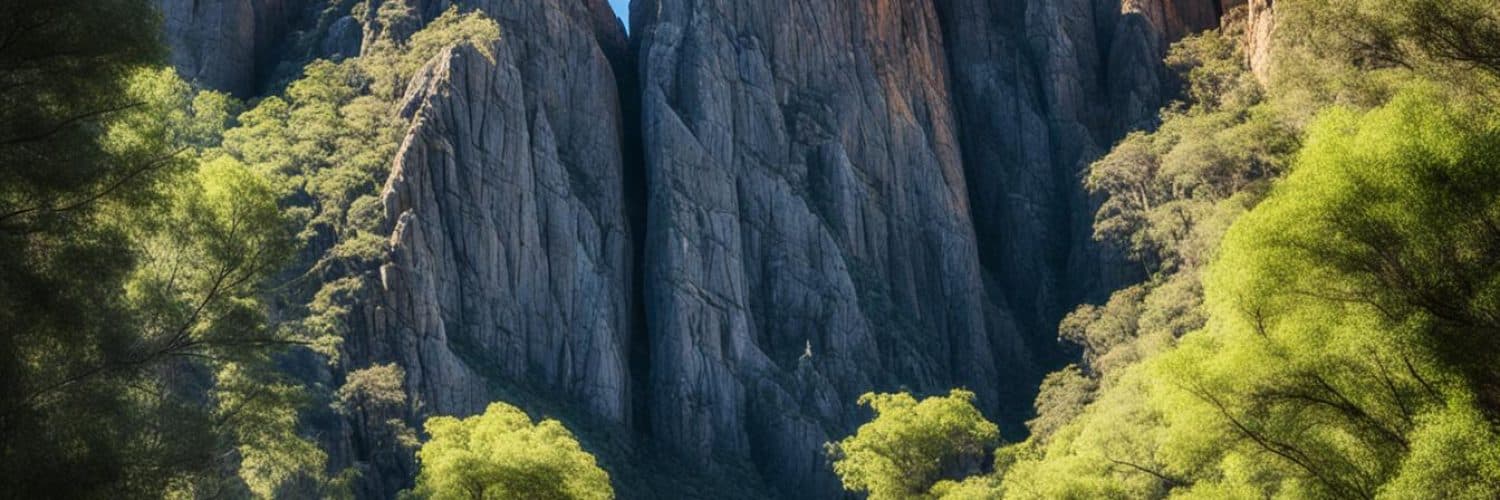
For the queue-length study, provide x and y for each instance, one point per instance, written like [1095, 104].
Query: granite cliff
[706, 240]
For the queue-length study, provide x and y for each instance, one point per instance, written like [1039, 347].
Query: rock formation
[1260, 23]
[508, 225]
[227, 44]
[1041, 89]
[806, 187]
[511, 258]
[831, 198]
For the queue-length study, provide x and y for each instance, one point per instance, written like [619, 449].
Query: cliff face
[1260, 24]
[810, 236]
[1040, 89]
[510, 251]
[715, 236]
[228, 44]
[832, 185]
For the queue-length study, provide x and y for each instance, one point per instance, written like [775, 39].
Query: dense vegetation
[135, 351]
[503, 454]
[1321, 317]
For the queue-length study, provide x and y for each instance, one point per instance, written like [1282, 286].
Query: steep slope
[840, 197]
[809, 234]
[1042, 88]
[511, 259]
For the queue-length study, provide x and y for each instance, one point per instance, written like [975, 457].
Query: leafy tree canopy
[503, 454]
[911, 445]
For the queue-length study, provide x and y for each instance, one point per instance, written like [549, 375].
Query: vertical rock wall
[839, 197]
[226, 44]
[809, 235]
[1041, 89]
[509, 233]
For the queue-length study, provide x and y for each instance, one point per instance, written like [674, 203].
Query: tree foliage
[137, 350]
[503, 454]
[911, 445]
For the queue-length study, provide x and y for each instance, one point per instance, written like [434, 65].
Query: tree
[1344, 354]
[124, 281]
[503, 454]
[1335, 346]
[374, 401]
[131, 264]
[910, 446]
[1063, 396]
[1433, 37]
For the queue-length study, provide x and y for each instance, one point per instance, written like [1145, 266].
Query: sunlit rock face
[712, 237]
[510, 267]
[509, 239]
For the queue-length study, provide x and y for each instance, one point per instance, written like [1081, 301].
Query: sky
[622, 9]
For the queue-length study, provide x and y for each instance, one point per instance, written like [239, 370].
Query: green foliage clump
[501, 454]
[1358, 52]
[911, 446]
[375, 398]
[1166, 192]
[1321, 371]
[1063, 396]
[1394, 209]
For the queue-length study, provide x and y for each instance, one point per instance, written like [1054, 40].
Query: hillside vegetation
[1321, 317]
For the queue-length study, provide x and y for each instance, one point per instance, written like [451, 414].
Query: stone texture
[226, 44]
[838, 197]
[501, 247]
[1260, 24]
[1041, 89]
[812, 182]
[806, 196]
[511, 257]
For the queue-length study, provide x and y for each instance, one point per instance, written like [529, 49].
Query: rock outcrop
[839, 197]
[1260, 24]
[809, 235]
[511, 261]
[510, 245]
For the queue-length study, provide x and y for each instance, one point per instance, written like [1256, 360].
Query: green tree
[131, 262]
[910, 446]
[1329, 344]
[1321, 371]
[1063, 396]
[503, 454]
